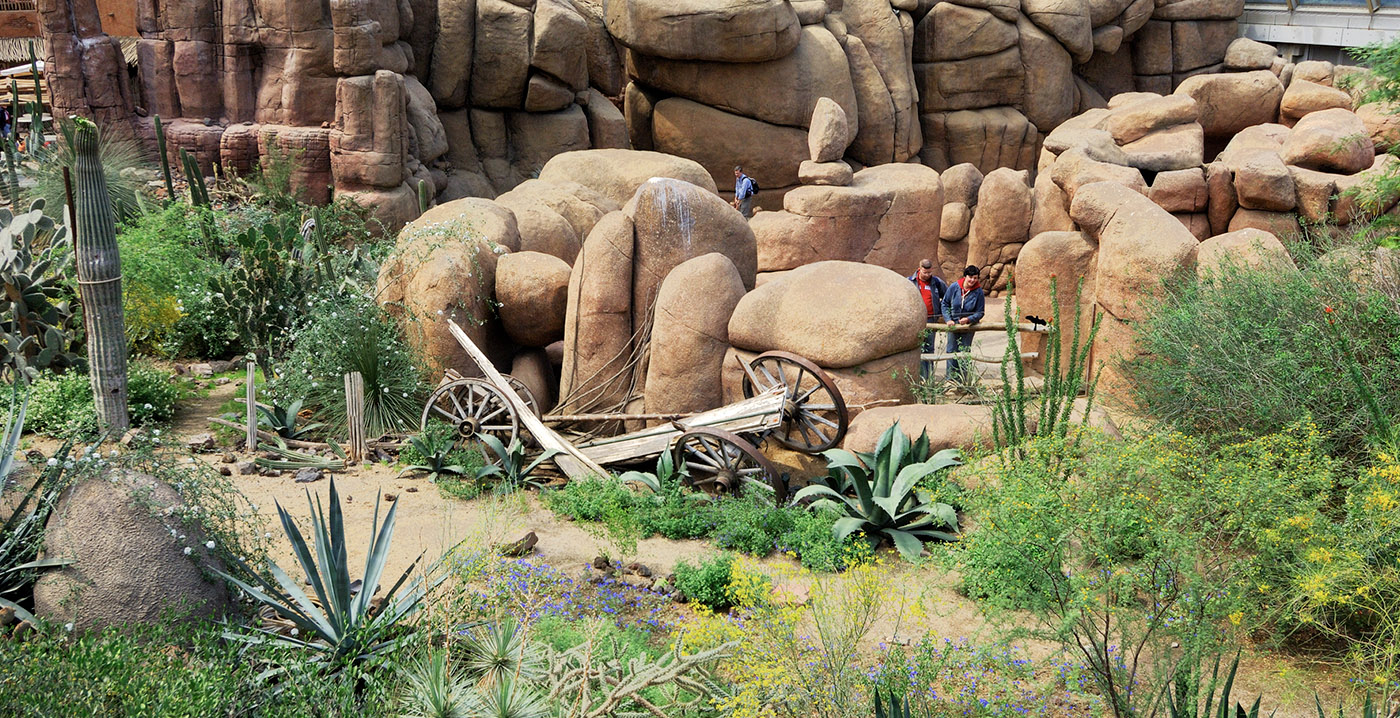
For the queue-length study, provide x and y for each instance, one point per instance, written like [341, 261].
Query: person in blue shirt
[931, 288]
[744, 189]
[964, 303]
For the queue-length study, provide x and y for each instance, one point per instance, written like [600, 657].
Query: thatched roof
[15, 51]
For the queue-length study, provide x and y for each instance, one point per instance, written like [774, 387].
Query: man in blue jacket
[931, 288]
[964, 303]
[744, 190]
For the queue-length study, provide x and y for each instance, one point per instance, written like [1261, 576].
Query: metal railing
[17, 6]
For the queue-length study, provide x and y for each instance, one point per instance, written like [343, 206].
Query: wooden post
[252, 438]
[355, 415]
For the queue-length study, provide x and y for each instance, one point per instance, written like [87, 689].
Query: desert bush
[61, 404]
[166, 267]
[343, 333]
[1144, 560]
[707, 583]
[741, 523]
[1253, 351]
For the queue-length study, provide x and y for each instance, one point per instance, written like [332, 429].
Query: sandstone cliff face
[472, 97]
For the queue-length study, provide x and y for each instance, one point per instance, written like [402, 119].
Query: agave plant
[437, 449]
[878, 493]
[667, 474]
[22, 533]
[340, 623]
[897, 708]
[510, 463]
[283, 420]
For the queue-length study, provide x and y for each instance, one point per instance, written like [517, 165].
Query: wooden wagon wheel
[525, 393]
[472, 406]
[814, 414]
[723, 462]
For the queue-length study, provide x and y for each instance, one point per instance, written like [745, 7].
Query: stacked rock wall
[488, 90]
[1224, 167]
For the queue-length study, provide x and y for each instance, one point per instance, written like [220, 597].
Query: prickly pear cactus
[262, 292]
[38, 326]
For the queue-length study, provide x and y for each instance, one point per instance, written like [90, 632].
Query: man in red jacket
[931, 288]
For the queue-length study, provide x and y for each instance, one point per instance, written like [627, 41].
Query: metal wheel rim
[722, 461]
[814, 418]
[471, 406]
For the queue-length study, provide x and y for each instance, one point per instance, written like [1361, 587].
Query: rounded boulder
[616, 174]
[129, 562]
[837, 314]
[691, 329]
[532, 291]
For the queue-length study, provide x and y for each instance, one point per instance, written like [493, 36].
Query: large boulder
[1246, 248]
[128, 543]
[1062, 260]
[717, 30]
[444, 267]
[691, 327]
[1230, 102]
[675, 221]
[1262, 181]
[616, 174]
[1382, 123]
[882, 217]
[949, 426]
[1334, 140]
[837, 314]
[598, 322]
[719, 140]
[816, 69]
[532, 292]
[1001, 225]
[1303, 97]
[555, 217]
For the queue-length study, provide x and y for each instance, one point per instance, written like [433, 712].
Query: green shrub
[1252, 351]
[61, 404]
[166, 268]
[739, 523]
[708, 583]
[348, 332]
[173, 671]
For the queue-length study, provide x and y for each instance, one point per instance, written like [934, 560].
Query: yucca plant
[119, 160]
[433, 688]
[497, 652]
[667, 475]
[283, 420]
[878, 493]
[340, 624]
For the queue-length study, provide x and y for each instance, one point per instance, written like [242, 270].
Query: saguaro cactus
[100, 281]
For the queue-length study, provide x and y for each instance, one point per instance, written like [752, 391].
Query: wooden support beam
[969, 355]
[987, 327]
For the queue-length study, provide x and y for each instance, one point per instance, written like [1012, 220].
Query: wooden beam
[986, 327]
[969, 355]
[570, 460]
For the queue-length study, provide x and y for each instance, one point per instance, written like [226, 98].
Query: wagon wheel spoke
[499, 410]
[814, 415]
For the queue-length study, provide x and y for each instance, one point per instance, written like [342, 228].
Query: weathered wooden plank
[759, 413]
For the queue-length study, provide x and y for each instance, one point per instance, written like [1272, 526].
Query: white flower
[52, 462]
[155, 432]
[147, 407]
[67, 626]
[208, 544]
[267, 535]
[182, 537]
[295, 631]
[187, 550]
[114, 452]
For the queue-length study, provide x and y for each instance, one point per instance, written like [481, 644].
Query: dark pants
[958, 369]
[746, 207]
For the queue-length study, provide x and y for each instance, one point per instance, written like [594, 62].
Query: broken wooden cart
[786, 398]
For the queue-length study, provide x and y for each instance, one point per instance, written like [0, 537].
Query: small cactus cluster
[38, 327]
